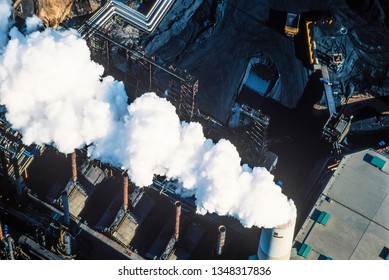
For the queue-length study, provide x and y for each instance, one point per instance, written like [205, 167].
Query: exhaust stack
[276, 243]
[65, 205]
[74, 167]
[221, 239]
[178, 215]
[125, 191]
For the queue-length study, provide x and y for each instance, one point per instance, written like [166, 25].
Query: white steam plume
[5, 22]
[55, 95]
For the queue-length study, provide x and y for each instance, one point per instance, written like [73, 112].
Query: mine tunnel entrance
[260, 80]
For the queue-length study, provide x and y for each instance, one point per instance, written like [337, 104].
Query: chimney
[178, 214]
[65, 205]
[276, 243]
[1, 232]
[74, 167]
[125, 191]
[221, 239]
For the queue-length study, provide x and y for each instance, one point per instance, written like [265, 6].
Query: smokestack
[221, 239]
[74, 167]
[65, 205]
[178, 214]
[276, 243]
[125, 191]
[1, 232]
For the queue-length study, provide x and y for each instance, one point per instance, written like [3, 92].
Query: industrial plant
[176, 130]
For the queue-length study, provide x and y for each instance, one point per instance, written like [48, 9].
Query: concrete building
[350, 218]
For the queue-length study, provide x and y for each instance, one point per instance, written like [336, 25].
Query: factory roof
[92, 172]
[350, 218]
[77, 198]
[125, 230]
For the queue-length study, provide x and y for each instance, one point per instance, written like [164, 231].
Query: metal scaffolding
[141, 73]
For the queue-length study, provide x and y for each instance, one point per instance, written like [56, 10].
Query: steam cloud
[5, 23]
[54, 94]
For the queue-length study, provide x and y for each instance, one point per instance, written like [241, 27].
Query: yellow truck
[292, 25]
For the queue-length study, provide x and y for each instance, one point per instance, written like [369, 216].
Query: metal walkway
[112, 8]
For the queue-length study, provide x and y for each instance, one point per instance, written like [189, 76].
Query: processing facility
[349, 221]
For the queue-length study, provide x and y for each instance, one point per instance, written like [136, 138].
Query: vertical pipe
[125, 191]
[178, 215]
[65, 205]
[1, 232]
[42, 238]
[18, 178]
[67, 244]
[4, 165]
[19, 185]
[221, 239]
[74, 167]
[10, 248]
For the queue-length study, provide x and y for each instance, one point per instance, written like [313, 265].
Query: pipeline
[65, 205]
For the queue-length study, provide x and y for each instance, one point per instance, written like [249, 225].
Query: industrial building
[76, 194]
[130, 215]
[14, 155]
[114, 42]
[349, 221]
[93, 173]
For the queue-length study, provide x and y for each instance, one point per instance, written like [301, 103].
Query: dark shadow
[323, 258]
[276, 21]
[297, 245]
[313, 92]
[368, 158]
[315, 215]
[367, 9]
[360, 6]
[384, 253]
[364, 113]
[250, 97]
